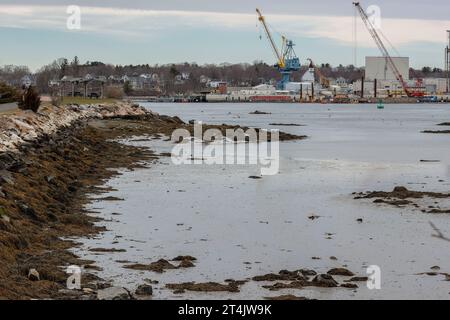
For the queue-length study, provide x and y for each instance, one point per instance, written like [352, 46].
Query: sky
[34, 32]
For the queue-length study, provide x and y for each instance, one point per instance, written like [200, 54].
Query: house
[185, 76]
[341, 81]
[216, 84]
[27, 81]
[155, 77]
[204, 79]
[54, 83]
[87, 86]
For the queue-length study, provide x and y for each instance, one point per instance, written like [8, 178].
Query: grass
[7, 110]
[82, 100]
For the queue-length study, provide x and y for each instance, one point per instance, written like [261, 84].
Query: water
[239, 228]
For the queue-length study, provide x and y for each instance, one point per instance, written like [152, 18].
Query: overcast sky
[206, 31]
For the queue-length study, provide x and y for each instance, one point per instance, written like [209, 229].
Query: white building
[379, 68]
[296, 87]
[439, 85]
[384, 88]
[309, 75]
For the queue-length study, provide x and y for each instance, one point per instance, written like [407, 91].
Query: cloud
[143, 23]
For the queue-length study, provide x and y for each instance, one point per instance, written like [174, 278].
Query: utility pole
[375, 89]
[362, 86]
[447, 62]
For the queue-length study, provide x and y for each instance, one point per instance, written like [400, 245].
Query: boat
[380, 104]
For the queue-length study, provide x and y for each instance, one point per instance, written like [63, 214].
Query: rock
[204, 287]
[88, 290]
[400, 189]
[182, 258]
[288, 297]
[24, 127]
[5, 218]
[33, 275]
[3, 215]
[6, 177]
[144, 290]
[333, 258]
[255, 177]
[325, 281]
[113, 293]
[26, 210]
[358, 279]
[349, 286]
[259, 112]
[341, 272]
[68, 292]
[159, 266]
[307, 272]
[151, 281]
[186, 264]
[283, 275]
[435, 268]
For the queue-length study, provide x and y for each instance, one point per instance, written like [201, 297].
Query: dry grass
[82, 100]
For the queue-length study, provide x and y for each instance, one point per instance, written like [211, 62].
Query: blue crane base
[285, 79]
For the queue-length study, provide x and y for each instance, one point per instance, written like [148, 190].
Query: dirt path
[8, 108]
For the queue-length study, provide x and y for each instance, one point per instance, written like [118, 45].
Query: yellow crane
[278, 55]
[287, 60]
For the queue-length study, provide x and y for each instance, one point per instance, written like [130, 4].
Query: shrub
[7, 93]
[56, 100]
[30, 100]
[114, 92]
[127, 88]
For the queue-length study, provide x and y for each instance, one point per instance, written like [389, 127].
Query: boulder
[33, 275]
[6, 177]
[341, 272]
[113, 293]
[28, 211]
[144, 290]
[325, 281]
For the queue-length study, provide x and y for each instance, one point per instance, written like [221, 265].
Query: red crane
[385, 52]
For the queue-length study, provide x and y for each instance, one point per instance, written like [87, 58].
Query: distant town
[224, 82]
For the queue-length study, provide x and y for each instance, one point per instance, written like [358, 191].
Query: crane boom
[370, 27]
[278, 55]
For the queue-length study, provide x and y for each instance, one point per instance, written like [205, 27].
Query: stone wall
[26, 126]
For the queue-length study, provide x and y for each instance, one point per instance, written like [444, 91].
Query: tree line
[168, 75]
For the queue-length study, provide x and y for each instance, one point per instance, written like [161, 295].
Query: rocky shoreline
[49, 163]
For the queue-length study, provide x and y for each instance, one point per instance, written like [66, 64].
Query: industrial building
[377, 68]
[380, 77]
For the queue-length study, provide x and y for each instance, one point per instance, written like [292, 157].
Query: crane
[287, 60]
[324, 81]
[390, 62]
